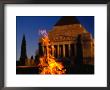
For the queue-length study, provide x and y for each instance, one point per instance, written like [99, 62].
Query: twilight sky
[30, 26]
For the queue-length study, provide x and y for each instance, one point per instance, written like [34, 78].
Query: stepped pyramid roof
[67, 20]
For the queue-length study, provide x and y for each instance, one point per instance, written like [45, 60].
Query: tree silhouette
[37, 57]
[32, 58]
[40, 49]
[79, 56]
[23, 56]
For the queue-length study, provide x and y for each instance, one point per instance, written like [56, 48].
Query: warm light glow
[48, 63]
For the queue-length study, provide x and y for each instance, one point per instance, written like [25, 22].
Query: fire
[48, 64]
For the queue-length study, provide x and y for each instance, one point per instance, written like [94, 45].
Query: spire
[23, 51]
[67, 20]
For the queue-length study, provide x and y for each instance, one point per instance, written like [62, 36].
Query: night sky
[30, 26]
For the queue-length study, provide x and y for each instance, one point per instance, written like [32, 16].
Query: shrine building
[64, 39]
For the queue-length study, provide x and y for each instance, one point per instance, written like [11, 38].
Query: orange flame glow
[48, 63]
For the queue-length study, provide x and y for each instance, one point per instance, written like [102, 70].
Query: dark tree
[37, 57]
[40, 49]
[32, 58]
[79, 52]
[23, 56]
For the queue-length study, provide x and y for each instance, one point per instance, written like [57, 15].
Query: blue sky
[30, 26]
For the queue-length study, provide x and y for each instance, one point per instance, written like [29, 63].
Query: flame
[48, 64]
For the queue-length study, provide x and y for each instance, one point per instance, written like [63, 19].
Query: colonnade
[62, 50]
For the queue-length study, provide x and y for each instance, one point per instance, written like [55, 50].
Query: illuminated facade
[64, 39]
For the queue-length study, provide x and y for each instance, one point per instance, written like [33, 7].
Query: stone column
[43, 49]
[69, 50]
[63, 50]
[75, 51]
[58, 50]
[53, 50]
